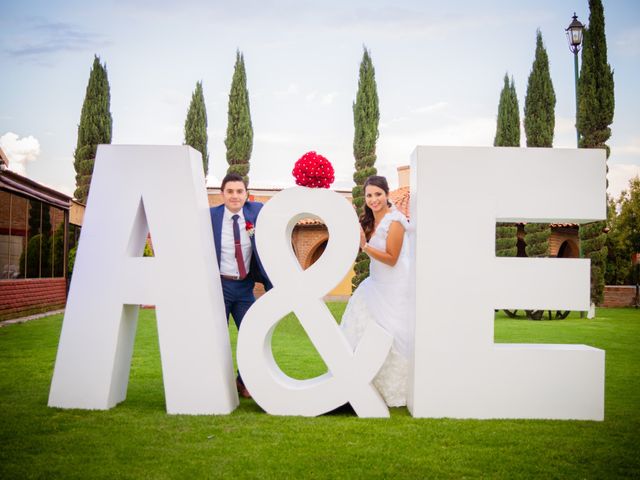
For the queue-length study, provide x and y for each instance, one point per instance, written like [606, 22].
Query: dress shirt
[228, 263]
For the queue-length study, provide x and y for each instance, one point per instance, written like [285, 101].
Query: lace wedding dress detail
[383, 298]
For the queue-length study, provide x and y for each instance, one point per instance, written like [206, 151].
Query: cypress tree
[508, 124]
[195, 126]
[540, 101]
[507, 135]
[365, 119]
[595, 113]
[94, 128]
[539, 123]
[239, 141]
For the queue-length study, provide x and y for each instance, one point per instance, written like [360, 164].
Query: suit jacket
[250, 211]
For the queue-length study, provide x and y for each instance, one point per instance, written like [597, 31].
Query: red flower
[313, 170]
[249, 228]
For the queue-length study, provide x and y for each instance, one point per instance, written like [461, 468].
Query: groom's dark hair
[233, 177]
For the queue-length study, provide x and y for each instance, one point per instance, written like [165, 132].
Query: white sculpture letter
[350, 374]
[457, 195]
[137, 189]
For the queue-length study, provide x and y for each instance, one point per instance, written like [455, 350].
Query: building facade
[35, 237]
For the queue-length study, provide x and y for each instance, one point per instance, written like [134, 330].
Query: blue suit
[238, 294]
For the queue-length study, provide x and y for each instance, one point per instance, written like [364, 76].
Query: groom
[233, 228]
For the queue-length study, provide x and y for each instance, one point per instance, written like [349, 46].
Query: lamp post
[574, 36]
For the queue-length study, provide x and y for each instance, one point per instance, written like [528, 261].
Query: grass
[137, 439]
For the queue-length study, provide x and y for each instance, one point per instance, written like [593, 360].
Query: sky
[439, 71]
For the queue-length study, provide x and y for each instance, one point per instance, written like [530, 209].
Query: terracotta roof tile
[310, 221]
[400, 198]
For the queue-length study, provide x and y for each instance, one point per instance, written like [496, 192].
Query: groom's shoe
[242, 390]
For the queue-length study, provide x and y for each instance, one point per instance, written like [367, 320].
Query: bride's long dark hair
[366, 219]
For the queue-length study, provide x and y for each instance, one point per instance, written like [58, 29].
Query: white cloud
[476, 131]
[293, 89]
[328, 98]
[175, 98]
[430, 108]
[385, 125]
[323, 98]
[619, 176]
[633, 148]
[19, 151]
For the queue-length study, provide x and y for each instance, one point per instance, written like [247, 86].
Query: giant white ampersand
[350, 373]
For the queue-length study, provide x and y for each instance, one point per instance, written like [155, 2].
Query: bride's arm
[394, 245]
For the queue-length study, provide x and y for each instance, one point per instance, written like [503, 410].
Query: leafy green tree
[57, 246]
[366, 117]
[72, 260]
[195, 126]
[618, 265]
[623, 239]
[539, 123]
[596, 105]
[507, 135]
[38, 257]
[239, 140]
[629, 220]
[94, 128]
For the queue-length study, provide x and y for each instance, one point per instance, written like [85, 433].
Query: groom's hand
[363, 237]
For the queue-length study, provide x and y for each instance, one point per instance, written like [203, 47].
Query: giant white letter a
[137, 189]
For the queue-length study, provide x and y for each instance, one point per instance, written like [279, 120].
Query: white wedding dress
[384, 298]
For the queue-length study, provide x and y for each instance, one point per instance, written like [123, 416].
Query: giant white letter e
[457, 196]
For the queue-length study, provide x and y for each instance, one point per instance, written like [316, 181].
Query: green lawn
[137, 439]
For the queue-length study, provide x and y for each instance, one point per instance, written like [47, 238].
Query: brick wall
[19, 298]
[559, 235]
[306, 240]
[619, 296]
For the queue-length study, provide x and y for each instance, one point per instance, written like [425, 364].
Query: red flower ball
[313, 170]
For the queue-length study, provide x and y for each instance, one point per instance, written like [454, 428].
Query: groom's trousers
[238, 298]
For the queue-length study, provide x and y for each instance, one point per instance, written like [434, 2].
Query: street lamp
[574, 35]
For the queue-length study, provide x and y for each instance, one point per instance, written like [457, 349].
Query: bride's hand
[363, 238]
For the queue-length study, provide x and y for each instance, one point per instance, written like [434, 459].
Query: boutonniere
[250, 228]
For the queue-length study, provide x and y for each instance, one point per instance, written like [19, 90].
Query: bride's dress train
[383, 298]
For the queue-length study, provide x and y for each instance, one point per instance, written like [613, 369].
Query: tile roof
[310, 221]
[400, 198]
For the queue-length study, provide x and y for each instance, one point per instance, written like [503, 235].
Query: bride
[383, 297]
